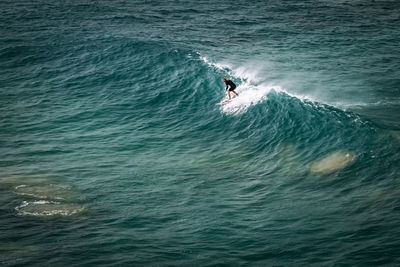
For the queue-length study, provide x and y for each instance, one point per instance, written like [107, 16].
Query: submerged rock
[42, 197]
[332, 162]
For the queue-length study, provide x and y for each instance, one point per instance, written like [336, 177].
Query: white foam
[26, 203]
[219, 66]
[248, 96]
[48, 208]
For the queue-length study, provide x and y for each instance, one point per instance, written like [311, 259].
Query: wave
[252, 89]
[255, 86]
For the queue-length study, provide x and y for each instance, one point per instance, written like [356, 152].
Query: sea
[115, 152]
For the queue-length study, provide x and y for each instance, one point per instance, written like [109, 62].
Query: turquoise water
[114, 151]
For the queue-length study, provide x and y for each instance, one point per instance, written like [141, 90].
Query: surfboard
[223, 102]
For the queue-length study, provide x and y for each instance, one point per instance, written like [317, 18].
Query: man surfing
[231, 86]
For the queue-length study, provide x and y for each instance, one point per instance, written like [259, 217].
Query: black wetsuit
[231, 84]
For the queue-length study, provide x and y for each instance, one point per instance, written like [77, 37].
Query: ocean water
[114, 152]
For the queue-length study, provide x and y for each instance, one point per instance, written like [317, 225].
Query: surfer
[231, 86]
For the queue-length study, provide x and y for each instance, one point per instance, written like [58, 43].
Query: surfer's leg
[235, 92]
[229, 95]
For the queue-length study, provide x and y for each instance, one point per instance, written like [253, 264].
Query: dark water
[113, 150]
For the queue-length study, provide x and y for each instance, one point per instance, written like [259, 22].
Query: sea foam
[48, 208]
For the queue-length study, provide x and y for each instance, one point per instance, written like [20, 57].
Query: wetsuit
[231, 84]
